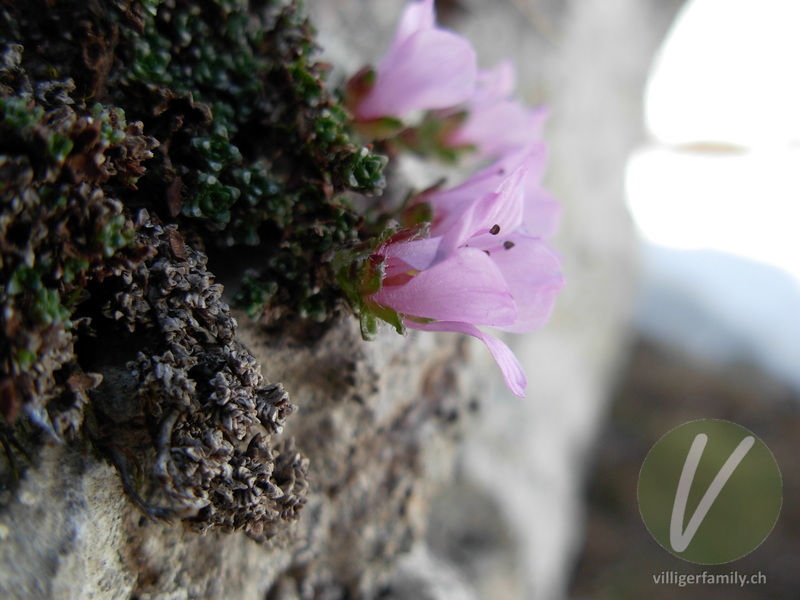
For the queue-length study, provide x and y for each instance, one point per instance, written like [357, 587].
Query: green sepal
[389, 315]
[358, 86]
[379, 129]
[429, 138]
[418, 213]
[421, 320]
[369, 325]
[360, 272]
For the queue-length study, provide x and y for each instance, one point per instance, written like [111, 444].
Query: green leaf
[369, 326]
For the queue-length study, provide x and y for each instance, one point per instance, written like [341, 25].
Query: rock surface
[378, 423]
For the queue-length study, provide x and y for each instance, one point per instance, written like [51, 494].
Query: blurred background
[714, 194]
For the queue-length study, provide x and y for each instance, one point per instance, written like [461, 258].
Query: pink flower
[495, 123]
[479, 268]
[540, 212]
[425, 68]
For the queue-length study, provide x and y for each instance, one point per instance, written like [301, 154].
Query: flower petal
[466, 286]
[542, 214]
[495, 84]
[512, 371]
[430, 69]
[533, 273]
[417, 254]
[449, 204]
[473, 224]
[533, 157]
[417, 16]
[499, 128]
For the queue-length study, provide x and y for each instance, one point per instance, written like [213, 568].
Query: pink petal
[476, 219]
[450, 203]
[512, 371]
[417, 254]
[467, 286]
[542, 214]
[458, 227]
[533, 273]
[430, 69]
[499, 128]
[417, 16]
[532, 158]
[495, 84]
[508, 208]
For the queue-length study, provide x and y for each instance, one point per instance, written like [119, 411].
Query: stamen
[495, 229]
[508, 245]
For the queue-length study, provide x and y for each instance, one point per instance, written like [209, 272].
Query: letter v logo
[710, 491]
[679, 539]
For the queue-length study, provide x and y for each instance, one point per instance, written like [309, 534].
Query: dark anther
[508, 245]
[495, 229]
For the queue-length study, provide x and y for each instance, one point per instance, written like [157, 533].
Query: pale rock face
[379, 423]
[427, 478]
[59, 529]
